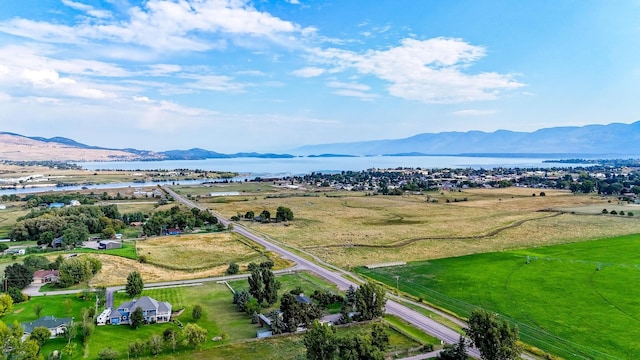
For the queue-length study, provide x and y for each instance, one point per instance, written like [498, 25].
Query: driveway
[32, 289]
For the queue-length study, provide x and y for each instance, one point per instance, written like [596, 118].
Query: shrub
[629, 213]
[613, 212]
[196, 313]
[108, 354]
[621, 212]
[233, 269]
[604, 211]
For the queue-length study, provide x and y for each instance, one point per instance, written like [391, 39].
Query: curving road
[393, 307]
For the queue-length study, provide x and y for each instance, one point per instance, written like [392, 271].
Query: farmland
[560, 300]
[183, 257]
[351, 229]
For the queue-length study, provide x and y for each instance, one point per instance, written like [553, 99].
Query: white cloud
[351, 85]
[474, 112]
[308, 72]
[355, 93]
[88, 9]
[430, 71]
[165, 25]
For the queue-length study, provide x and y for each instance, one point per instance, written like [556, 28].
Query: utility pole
[397, 280]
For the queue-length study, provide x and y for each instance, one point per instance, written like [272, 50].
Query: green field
[560, 300]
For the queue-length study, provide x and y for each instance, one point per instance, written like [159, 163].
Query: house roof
[43, 273]
[50, 322]
[146, 304]
[303, 299]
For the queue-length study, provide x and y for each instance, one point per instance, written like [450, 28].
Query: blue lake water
[250, 168]
[306, 165]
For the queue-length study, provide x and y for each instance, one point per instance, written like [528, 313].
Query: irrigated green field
[578, 301]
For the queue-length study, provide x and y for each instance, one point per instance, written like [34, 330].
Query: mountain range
[608, 139]
[591, 140]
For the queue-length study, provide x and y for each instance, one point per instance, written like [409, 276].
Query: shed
[107, 245]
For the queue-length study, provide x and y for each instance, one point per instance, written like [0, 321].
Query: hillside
[16, 147]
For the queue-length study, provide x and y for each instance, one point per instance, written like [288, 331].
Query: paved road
[392, 307]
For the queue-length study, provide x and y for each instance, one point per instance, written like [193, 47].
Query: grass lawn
[128, 250]
[560, 300]
[8, 218]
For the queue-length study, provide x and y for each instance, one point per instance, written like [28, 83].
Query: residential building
[152, 310]
[56, 326]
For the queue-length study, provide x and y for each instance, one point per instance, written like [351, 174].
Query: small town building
[152, 310]
[56, 205]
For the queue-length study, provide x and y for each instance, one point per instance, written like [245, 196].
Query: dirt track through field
[414, 240]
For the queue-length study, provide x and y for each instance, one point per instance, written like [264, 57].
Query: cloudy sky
[236, 75]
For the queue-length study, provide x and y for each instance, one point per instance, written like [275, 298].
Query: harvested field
[184, 257]
[354, 229]
[198, 251]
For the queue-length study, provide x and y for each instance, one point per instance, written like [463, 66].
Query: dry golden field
[353, 229]
[184, 257]
[194, 252]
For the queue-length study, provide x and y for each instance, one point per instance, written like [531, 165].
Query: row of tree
[177, 217]
[73, 223]
[322, 343]
[282, 214]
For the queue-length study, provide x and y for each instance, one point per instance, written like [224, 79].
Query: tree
[321, 342]
[370, 301]
[134, 284]
[456, 351]
[233, 269]
[194, 335]
[6, 304]
[495, 339]
[263, 284]
[271, 286]
[136, 348]
[74, 235]
[380, 335]
[283, 214]
[249, 215]
[37, 309]
[18, 276]
[265, 215]
[86, 326]
[155, 344]
[40, 335]
[196, 313]
[170, 338]
[16, 295]
[33, 262]
[256, 283]
[136, 318]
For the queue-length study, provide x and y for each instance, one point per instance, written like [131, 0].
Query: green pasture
[578, 301]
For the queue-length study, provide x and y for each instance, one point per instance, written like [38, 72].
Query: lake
[249, 168]
[305, 165]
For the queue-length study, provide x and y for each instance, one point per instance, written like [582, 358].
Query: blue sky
[235, 75]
